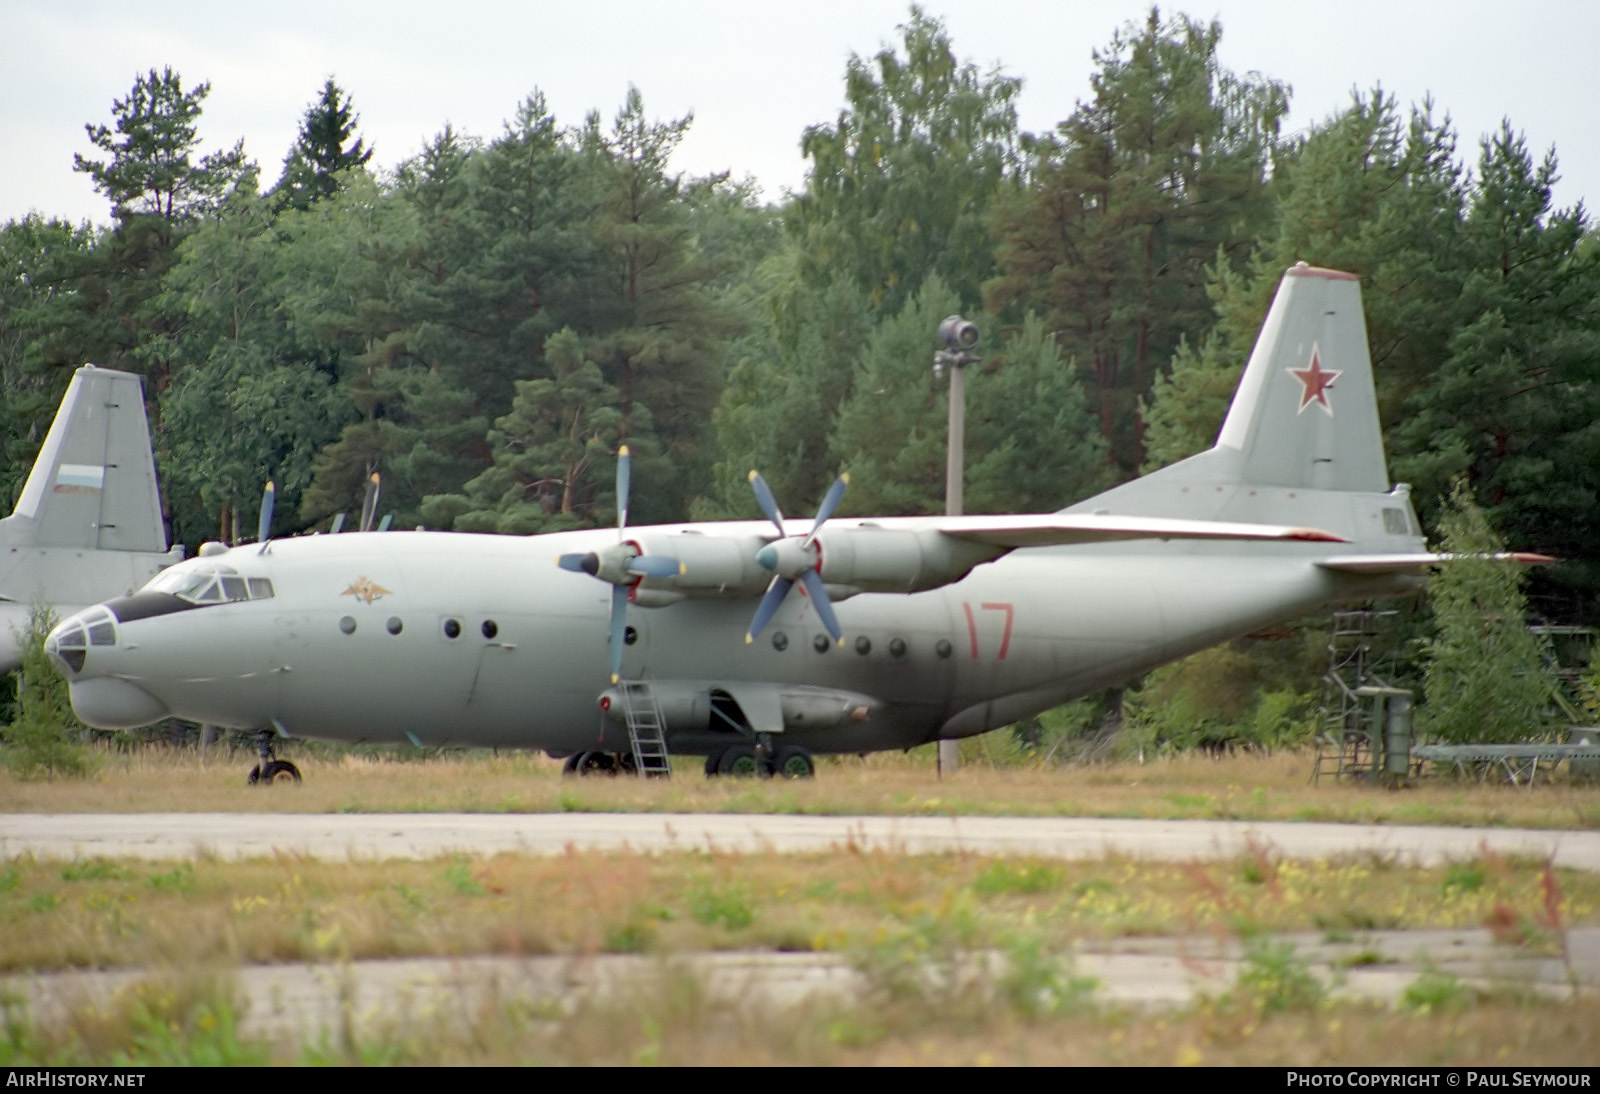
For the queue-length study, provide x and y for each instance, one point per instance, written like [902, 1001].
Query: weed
[1465, 877]
[1042, 983]
[1436, 991]
[1028, 877]
[179, 879]
[722, 905]
[1276, 979]
[95, 869]
[460, 877]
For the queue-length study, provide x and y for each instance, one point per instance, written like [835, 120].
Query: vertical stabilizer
[1305, 414]
[93, 486]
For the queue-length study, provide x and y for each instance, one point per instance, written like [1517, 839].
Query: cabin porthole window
[863, 645]
[395, 626]
[897, 647]
[452, 628]
[348, 624]
[780, 641]
[490, 628]
[821, 643]
[944, 649]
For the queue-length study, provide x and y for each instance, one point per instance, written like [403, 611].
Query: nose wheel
[271, 769]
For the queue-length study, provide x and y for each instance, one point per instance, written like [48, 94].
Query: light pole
[959, 337]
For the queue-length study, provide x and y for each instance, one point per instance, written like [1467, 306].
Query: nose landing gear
[270, 769]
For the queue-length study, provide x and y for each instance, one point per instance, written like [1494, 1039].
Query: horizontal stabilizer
[1419, 564]
[1061, 529]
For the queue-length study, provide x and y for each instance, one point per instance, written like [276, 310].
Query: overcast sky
[753, 73]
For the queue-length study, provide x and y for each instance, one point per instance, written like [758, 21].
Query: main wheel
[712, 762]
[739, 761]
[794, 762]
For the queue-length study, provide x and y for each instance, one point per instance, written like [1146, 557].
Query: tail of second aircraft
[88, 525]
[1301, 443]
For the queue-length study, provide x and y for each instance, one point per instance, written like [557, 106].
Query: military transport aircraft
[614, 647]
[88, 524]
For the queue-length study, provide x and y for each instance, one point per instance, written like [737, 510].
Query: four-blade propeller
[791, 559]
[622, 565]
[794, 558]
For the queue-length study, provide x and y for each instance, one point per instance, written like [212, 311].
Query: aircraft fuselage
[441, 638]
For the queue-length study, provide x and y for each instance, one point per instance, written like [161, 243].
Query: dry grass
[192, 1020]
[100, 913]
[1247, 787]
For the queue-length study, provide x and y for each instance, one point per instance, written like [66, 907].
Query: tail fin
[1302, 436]
[93, 486]
[1306, 413]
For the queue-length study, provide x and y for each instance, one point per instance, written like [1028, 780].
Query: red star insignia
[1314, 383]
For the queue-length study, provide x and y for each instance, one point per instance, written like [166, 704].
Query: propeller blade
[624, 483]
[764, 498]
[769, 606]
[585, 563]
[369, 503]
[819, 596]
[830, 502]
[269, 497]
[619, 627]
[654, 566]
[338, 524]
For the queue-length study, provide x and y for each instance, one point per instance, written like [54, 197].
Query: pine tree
[321, 151]
[1486, 679]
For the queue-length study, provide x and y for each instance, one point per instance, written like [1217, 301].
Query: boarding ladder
[646, 729]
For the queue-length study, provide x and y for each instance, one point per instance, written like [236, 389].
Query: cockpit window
[214, 584]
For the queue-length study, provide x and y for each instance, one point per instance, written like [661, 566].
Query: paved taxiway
[426, 835]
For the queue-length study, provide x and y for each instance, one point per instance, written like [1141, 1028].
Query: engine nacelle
[864, 559]
[886, 560]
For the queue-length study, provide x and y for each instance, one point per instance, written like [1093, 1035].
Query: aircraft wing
[1059, 529]
[1419, 564]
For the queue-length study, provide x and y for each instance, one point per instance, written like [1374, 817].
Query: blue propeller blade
[269, 497]
[830, 502]
[819, 597]
[579, 562]
[769, 606]
[369, 504]
[619, 627]
[764, 498]
[624, 483]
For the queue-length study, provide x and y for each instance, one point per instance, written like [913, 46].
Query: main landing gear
[764, 759]
[736, 761]
[270, 769]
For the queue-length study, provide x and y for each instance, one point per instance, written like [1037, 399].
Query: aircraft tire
[569, 769]
[794, 762]
[275, 771]
[740, 761]
[596, 763]
[711, 764]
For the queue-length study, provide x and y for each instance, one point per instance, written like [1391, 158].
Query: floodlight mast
[960, 337]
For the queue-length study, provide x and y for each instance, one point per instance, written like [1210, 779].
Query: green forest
[486, 323]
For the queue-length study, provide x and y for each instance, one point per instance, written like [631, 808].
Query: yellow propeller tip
[614, 678]
[752, 476]
[749, 638]
[682, 569]
[845, 478]
[623, 451]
